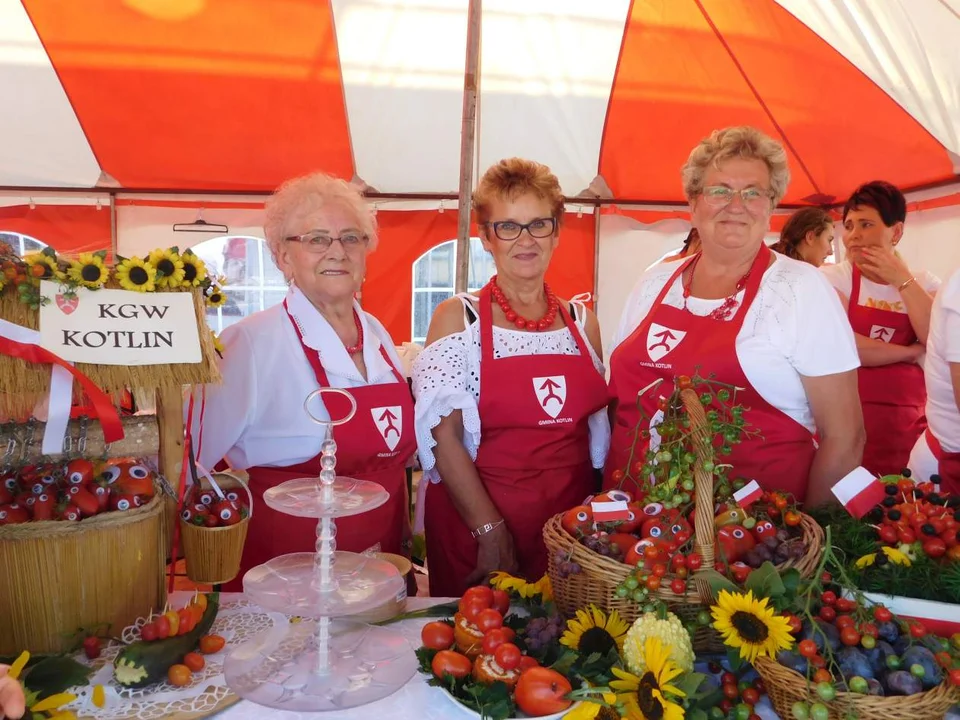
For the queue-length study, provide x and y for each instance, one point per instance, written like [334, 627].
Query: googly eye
[75, 478]
[111, 473]
[137, 501]
[656, 532]
[618, 496]
[123, 504]
[652, 509]
[37, 489]
[43, 497]
[30, 501]
[100, 490]
[73, 490]
[206, 498]
[10, 483]
[738, 534]
[187, 515]
[676, 528]
[582, 516]
[631, 516]
[48, 480]
[225, 514]
[232, 496]
[139, 472]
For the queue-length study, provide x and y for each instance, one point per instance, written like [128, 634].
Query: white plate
[471, 713]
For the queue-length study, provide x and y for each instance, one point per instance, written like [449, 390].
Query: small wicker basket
[600, 576]
[213, 554]
[786, 686]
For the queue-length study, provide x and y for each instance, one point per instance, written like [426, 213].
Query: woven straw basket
[213, 554]
[786, 686]
[600, 576]
[61, 576]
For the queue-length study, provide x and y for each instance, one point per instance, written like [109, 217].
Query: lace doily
[237, 620]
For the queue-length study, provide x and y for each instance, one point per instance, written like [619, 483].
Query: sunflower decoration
[589, 710]
[170, 270]
[890, 554]
[217, 344]
[194, 270]
[526, 590]
[593, 631]
[43, 266]
[89, 270]
[215, 297]
[136, 274]
[750, 624]
[651, 696]
[50, 707]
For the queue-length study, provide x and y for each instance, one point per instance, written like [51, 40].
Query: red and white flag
[748, 494]
[859, 491]
[610, 511]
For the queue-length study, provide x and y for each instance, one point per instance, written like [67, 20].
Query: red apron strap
[854, 298]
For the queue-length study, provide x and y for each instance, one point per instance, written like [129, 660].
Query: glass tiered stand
[324, 662]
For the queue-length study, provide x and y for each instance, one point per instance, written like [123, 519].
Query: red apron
[375, 445]
[533, 459]
[948, 465]
[670, 342]
[893, 396]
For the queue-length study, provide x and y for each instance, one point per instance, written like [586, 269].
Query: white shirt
[795, 327]
[256, 416]
[875, 295]
[943, 348]
[446, 377]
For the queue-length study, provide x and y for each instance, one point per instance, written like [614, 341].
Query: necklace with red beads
[544, 323]
[358, 348]
[730, 303]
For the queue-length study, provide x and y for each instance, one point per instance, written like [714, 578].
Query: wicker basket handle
[704, 533]
[205, 475]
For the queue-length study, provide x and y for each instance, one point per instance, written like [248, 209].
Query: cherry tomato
[186, 621]
[822, 675]
[918, 629]
[844, 621]
[807, 648]
[437, 636]
[488, 620]
[868, 628]
[527, 662]
[162, 625]
[660, 570]
[888, 534]
[731, 692]
[845, 605]
[906, 536]
[850, 636]
[828, 598]
[227, 513]
[542, 691]
[792, 518]
[178, 675]
[194, 661]
[935, 547]
[955, 677]
[750, 696]
[450, 662]
[796, 624]
[694, 561]
[501, 602]
[482, 593]
[492, 640]
[472, 609]
[507, 656]
[148, 633]
[91, 647]
[882, 614]
[728, 678]
[210, 644]
[828, 614]
[684, 382]
[617, 476]
[678, 586]
[653, 583]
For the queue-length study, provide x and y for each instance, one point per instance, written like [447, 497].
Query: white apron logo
[879, 332]
[551, 393]
[389, 421]
[662, 340]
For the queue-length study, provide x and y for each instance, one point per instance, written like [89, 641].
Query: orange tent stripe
[688, 67]
[68, 229]
[220, 94]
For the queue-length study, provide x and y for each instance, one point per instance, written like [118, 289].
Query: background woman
[808, 236]
[511, 400]
[889, 309]
[319, 231]
[743, 313]
[937, 451]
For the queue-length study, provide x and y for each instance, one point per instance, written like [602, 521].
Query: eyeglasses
[318, 242]
[721, 196]
[509, 230]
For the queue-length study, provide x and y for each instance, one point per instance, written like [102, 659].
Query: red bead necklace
[358, 348]
[730, 303]
[544, 323]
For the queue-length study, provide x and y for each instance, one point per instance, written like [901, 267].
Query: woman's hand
[12, 700]
[885, 264]
[494, 552]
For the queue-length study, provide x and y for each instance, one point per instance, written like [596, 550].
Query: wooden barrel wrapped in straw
[786, 686]
[213, 554]
[600, 576]
[61, 576]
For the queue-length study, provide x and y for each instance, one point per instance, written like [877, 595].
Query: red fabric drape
[66, 228]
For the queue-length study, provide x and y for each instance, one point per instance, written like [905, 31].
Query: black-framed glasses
[509, 230]
[318, 242]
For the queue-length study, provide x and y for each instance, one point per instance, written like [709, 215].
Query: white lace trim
[446, 377]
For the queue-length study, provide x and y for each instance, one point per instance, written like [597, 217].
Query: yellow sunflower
[88, 270]
[586, 710]
[217, 345]
[750, 624]
[509, 583]
[592, 631]
[41, 266]
[897, 557]
[215, 296]
[136, 274]
[194, 270]
[169, 267]
[651, 696]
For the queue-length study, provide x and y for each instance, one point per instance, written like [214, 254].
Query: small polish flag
[610, 511]
[748, 494]
[859, 491]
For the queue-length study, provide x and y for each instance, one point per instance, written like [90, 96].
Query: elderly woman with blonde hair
[766, 324]
[319, 231]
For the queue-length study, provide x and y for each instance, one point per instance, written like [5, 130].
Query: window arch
[254, 283]
[433, 280]
[21, 244]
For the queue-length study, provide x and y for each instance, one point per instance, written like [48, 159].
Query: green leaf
[55, 675]
[696, 714]
[689, 683]
[791, 582]
[765, 581]
[49, 252]
[175, 249]
[718, 582]
[734, 661]
[102, 254]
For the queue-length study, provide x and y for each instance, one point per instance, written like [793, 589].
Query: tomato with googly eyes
[226, 513]
[735, 541]
[135, 479]
[613, 496]
[121, 501]
[578, 521]
[764, 529]
[79, 472]
[110, 474]
[633, 522]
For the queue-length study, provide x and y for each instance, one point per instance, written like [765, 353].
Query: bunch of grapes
[601, 545]
[541, 632]
[565, 565]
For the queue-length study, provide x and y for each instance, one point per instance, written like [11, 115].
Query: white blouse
[256, 415]
[446, 377]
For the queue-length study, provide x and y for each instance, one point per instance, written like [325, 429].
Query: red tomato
[178, 675]
[955, 677]
[102, 494]
[13, 513]
[633, 522]
[79, 472]
[507, 656]
[845, 605]
[449, 662]
[850, 636]
[480, 592]
[162, 625]
[194, 661]
[44, 507]
[828, 598]
[828, 614]
[71, 512]
[91, 647]
[437, 636]
[882, 614]
[918, 629]
[678, 586]
[527, 662]
[488, 620]
[623, 541]
[578, 521]
[227, 513]
[472, 608]
[694, 561]
[148, 633]
[935, 547]
[124, 502]
[541, 691]
[494, 639]
[501, 602]
[84, 499]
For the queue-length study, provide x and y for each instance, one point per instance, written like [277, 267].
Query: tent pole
[467, 144]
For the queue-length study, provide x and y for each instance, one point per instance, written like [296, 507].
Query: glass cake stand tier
[288, 584]
[283, 667]
[303, 497]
